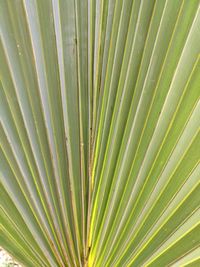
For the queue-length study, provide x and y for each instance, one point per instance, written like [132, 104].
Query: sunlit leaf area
[100, 132]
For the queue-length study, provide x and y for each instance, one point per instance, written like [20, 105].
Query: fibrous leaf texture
[99, 132]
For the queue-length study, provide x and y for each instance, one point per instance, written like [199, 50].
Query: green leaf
[100, 132]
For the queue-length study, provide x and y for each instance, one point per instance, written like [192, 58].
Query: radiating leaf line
[111, 58]
[99, 132]
[59, 41]
[153, 203]
[21, 235]
[138, 253]
[158, 152]
[42, 82]
[135, 153]
[173, 204]
[22, 113]
[185, 259]
[96, 197]
[194, 218]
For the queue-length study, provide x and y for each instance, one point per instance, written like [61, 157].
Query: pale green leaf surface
[99, 132]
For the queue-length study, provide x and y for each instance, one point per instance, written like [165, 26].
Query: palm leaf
[99, 132]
